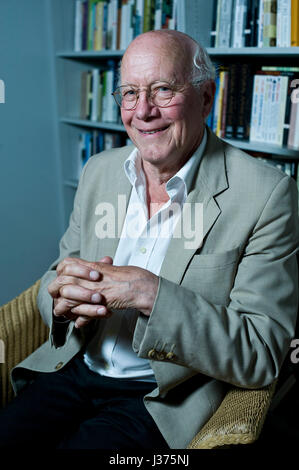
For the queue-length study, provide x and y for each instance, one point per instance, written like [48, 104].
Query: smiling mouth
[154, 131]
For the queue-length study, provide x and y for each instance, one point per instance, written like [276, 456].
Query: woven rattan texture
[238, 420]
[22, 331]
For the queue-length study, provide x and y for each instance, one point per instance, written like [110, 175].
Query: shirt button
[143, 250]
[59, 365]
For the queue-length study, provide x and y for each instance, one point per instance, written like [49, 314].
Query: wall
[31, 212]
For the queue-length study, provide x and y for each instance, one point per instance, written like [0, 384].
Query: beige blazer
[225, 309]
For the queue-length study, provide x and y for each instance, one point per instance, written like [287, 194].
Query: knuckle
[64, 291]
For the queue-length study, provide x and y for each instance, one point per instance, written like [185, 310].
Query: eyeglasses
[161, 95]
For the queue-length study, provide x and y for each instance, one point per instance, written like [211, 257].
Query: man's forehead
[157, 64]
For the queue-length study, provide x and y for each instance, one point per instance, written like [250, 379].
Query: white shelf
[109, 126]
[213, 51]
[254, 51]
[283, 152]
[104, 54]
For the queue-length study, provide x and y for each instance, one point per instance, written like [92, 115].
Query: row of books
[255, 23]
[97, 102]
[288, 167]
[96, 141]
[257, 105]
[113, 24]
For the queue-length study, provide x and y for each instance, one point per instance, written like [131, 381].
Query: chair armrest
[21, 332]
[238, 420]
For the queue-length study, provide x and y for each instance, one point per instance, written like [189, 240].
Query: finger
[92, 311]
[91, 265]
[73, 288]
[63, 307]
[82, 321]
[106, 259]
[80, 271]
[78, 268]
[80, 294]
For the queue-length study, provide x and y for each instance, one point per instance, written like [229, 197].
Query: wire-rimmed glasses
[161, 95]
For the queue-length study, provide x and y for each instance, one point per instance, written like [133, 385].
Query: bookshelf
[70, 64]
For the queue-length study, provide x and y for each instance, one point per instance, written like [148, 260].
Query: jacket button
[151, 354]
[170, 355]
[161, 356]
[59, 365]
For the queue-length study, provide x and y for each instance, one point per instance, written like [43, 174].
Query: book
[231, 113]
[269, 108]
[189, 17]
[293, 139]
[244, 99]
[98, 33]
[283, 23]
[295, 23]
[269, 26]
[255, 4]
[239, 22]
[224, 23]
[213, 31]
[78, 25]
[292, 73]
[256, 109]
[91, 23]
[260, 21]
[95, 95]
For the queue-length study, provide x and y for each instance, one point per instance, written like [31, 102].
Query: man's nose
[145, 108]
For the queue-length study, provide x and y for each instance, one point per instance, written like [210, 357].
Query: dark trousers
[76, 408]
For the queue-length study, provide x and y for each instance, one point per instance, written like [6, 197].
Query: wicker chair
[238, 420]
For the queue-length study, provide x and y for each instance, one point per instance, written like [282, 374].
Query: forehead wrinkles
[153, 64]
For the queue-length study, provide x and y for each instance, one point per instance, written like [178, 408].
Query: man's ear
[208, 94]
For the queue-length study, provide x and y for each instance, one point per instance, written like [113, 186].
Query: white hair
[202, 68]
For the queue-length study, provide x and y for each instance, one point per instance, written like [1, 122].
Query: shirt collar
[134, 172]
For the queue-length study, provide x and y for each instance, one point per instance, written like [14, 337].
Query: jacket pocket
[213, 275]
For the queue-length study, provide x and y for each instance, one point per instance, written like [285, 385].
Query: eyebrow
[172, 82]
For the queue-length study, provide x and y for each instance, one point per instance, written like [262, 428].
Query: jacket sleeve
[244, 342]
[69, 247]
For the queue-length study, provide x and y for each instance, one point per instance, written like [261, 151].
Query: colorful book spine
[239, 21]
[283, 23]
[224, 24]
[269, 29]
[295, 23]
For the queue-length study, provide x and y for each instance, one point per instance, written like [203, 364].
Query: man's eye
[164, 89]
[129, 94]
[163, 92]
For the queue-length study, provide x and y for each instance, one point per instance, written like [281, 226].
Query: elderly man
[147, 331]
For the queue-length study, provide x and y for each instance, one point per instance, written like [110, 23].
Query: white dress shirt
[143, 243]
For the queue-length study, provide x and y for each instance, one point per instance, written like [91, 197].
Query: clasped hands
[84, 290]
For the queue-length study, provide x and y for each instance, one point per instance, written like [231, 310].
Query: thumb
[106, 259]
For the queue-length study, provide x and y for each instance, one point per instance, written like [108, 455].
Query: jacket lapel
[210, 180]
[116, 198]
